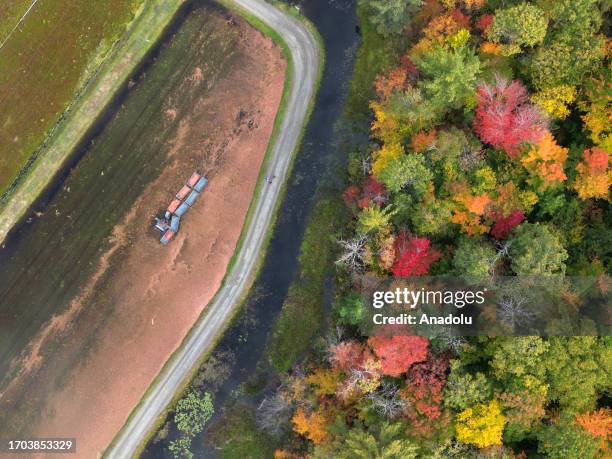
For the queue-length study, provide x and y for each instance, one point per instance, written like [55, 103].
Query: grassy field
[44, 62]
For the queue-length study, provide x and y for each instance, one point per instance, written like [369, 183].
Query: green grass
[376, 53]
[302, 315]
[236, 436]
[102, 83]
[42, 65]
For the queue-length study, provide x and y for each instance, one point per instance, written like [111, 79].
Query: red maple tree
[414, 256]
[424, 385]
[350, 195]
[505, 118]
[346, 355]
[504, 225]
[484, 22]
[397, 353]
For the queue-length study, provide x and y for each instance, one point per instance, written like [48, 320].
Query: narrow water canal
[317, 161]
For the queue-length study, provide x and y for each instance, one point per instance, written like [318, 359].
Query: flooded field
[88, 296]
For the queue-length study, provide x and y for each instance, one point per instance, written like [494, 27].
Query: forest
[488, 155]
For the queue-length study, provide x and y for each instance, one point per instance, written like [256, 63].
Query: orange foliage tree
[470, 209]
[546, 161]
[312, 426]
[598, 424]
[593, 179]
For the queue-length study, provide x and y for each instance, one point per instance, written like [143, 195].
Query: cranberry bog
[53, 255]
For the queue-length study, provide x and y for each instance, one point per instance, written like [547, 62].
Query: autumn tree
[312, 426]
[424, 140]
[481, 425]
[523, 410]
[545, 162]
[346, 355]
[414, 256]
[436, 32]
[424, 390]
[555, 100]
[517, 27]
[470, 209]
[324, 380]
[593, 179]
[505, 118]
[504, 225]
[599, 425]
[397, 353]
[404, 113]
[597, 105]
[387, 84]
[534, 249]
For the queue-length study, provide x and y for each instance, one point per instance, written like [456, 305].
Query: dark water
[318, 159]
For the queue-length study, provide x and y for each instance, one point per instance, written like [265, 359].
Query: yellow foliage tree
[325, 380]
[469, 5]
[384, 127]
[481, 425]
[387, 154]
[555, 100]
[598, 121]
[371, 376]
[546, 161]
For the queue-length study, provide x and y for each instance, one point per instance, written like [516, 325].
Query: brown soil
[90, 366]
